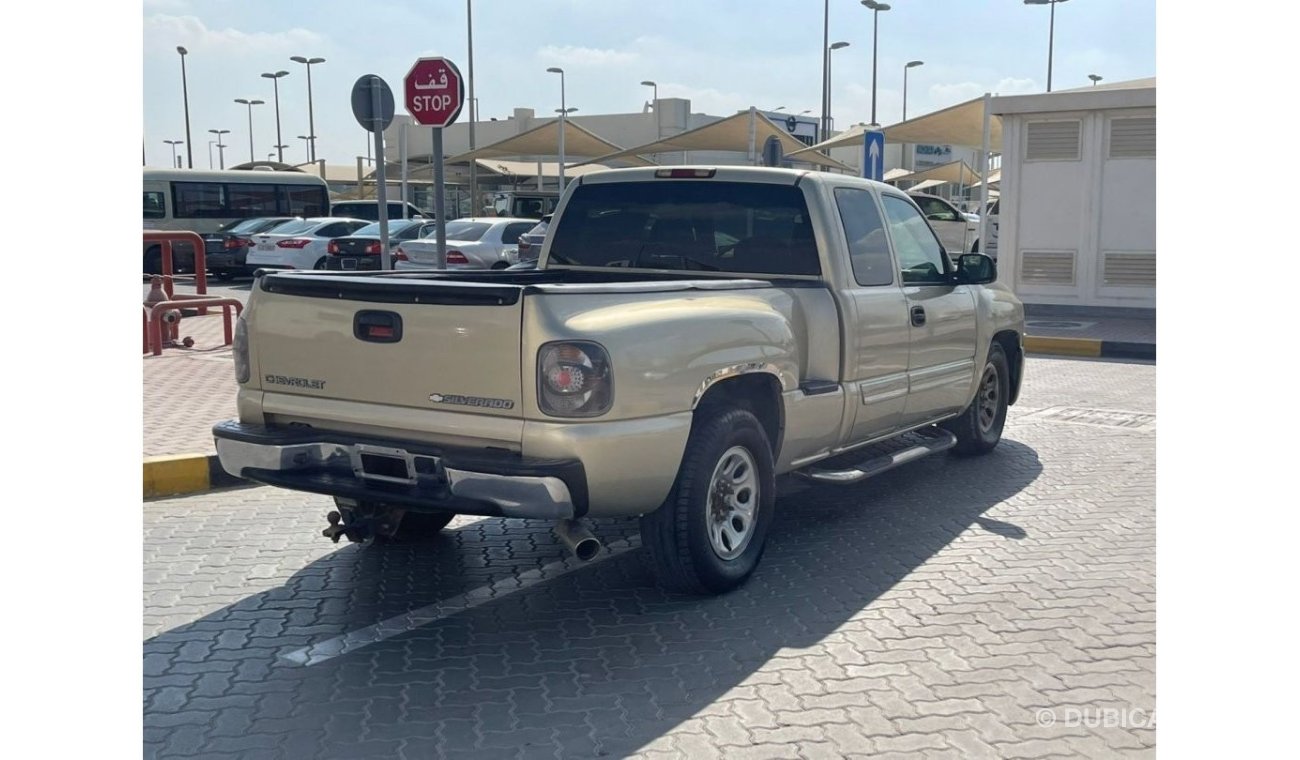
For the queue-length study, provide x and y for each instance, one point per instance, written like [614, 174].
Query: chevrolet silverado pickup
[690, 334]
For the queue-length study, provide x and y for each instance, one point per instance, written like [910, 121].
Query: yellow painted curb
[172, 475]
[1063, 346]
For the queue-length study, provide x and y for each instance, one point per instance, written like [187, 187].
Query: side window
[154, 207]
[245, 200]
[198, 200]
[919, 254]
[936, 210]
[868, 246]
[510, 235]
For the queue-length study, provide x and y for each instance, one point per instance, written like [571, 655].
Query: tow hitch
[362, 528]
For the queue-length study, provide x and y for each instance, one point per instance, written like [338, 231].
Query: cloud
[706, 99]
[570, 55]
[191, 32]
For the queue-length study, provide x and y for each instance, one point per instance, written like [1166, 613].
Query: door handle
[918, 316]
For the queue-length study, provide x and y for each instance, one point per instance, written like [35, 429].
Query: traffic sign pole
[438, 200]
[381, 187]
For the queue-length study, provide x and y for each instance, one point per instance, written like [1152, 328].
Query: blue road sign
[873, 155]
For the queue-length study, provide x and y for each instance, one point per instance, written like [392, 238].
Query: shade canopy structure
[953, 171]
[925, 184]
[544, 140]
[962, 124]
[422, 170]
[745, 132]
[894, 174]
[995, 177]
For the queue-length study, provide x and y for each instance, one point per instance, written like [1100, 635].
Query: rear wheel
[501, 265]
[320, 263]
[709, 534]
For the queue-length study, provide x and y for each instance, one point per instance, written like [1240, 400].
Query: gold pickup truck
[690, 334]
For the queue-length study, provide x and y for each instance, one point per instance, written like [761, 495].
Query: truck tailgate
[425, 344]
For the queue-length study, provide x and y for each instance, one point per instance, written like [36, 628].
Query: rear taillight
[372, 248]
[686, 173]
[294, 243]
[239, 348]
[400, 255]
[456, 257]
[332, 247]
[574, 379]
[235, 242]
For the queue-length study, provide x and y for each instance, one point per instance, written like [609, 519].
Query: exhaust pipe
[577, 539]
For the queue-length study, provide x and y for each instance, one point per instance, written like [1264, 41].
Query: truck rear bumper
[414, 475]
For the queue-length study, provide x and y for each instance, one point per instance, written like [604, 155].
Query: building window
[1052, 140]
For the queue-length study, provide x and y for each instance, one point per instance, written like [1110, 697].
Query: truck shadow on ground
[595, 662]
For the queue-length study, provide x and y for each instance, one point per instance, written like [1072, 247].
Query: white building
[1077, 223]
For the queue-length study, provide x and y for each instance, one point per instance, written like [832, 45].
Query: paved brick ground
[932, 612]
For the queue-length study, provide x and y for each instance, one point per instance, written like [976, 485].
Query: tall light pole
[830, 120]
[185, 91]
[654, 97]
[173, 143]
[306, 139]
[826, 74]
[910, 65]
[210, 144]
[1095, 79]
[564, 112]
[221, 148]
[250, 104]
[875, 9]
[1051, 34]
[473, 109]
[311, 114]
[275, 78]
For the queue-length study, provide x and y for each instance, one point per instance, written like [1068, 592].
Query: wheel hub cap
[988, 398]
[733, 501]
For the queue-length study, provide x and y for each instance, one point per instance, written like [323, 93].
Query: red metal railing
[153, 318]
[165, 238]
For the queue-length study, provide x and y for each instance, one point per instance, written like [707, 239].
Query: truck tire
[979, 428]
[709, 534]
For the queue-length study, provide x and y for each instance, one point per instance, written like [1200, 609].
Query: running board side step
[938, 440]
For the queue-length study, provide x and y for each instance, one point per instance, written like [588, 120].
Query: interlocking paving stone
[930, 612]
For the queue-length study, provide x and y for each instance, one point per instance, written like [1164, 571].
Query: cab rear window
[710, 226]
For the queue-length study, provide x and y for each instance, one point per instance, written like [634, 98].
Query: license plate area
[349, 263]
[384, 464]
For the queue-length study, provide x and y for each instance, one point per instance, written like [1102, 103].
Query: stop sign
[435, 92]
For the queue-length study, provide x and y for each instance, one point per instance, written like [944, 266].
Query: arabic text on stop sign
[433, 103]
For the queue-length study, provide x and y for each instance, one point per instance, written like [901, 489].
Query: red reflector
[235, 243]
[379, 331]
[401, 255]
[685, 173]
[456, 257]
[372, 248]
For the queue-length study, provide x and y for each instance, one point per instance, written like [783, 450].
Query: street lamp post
[830, 120]
[210, 144]
[311, 117]
[910, 65]
[185, 91]
[473, 109]
[275, 78]
[250, 104]
[564, 112]
[306, 139]
[1051, 34]
[875, 9]
[173, 143]
[221, 148]
[1095, 79]
[654, 97]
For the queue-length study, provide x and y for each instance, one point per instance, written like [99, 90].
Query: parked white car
[299, 245]
[957, 230]
[474, 243]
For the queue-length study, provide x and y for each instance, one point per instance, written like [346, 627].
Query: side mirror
[976, 269]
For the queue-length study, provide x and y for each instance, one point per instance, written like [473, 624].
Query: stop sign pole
[435, 93]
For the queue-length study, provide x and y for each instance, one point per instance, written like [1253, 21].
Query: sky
[724, 55]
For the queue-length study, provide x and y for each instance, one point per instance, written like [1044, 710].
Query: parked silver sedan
[473, 243]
